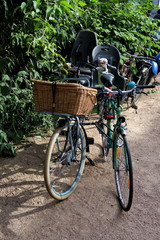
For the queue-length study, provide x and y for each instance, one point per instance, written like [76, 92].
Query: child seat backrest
[107, 51]
[112, 54]
[82, 47]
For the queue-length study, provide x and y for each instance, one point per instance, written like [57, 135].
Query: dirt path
[92, 212]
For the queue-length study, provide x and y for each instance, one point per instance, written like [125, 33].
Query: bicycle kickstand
[90, 161]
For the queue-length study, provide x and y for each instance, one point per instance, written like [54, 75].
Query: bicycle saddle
[107, 79]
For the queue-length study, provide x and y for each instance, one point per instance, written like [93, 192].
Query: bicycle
[68, 145]
[146, 68]
[114, 137]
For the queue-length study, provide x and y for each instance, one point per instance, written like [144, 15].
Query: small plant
[6, 149]
[152, 91]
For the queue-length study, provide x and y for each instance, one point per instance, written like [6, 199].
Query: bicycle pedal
[100, 161]
[90, 140]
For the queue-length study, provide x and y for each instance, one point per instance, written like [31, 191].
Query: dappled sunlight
[22, 190]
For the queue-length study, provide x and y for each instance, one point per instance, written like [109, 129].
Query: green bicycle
[111, 126]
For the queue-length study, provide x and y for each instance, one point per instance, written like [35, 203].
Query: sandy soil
[92, 212]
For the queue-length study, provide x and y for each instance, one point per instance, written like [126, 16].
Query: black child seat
[82, 53]
[83, 47]
[112, 54]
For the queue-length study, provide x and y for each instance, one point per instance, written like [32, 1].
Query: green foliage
[17, 117]
[36, 38]
[6, 149]
[124, 25]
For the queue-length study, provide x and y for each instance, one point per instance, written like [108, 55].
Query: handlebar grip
[146, 86]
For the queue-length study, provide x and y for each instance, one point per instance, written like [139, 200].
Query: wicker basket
[67, 98]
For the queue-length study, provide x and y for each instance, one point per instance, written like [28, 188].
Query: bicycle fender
[154, 67]
[121, 130]
[158, 58]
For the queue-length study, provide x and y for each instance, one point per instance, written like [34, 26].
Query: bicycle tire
[62, 171]
[122, 165]
[142, 81]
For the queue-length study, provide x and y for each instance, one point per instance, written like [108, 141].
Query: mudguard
[158, 58]
[154, 67]
[121, 130]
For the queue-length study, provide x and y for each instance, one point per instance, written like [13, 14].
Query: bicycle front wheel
[122, 165]
[65, 161]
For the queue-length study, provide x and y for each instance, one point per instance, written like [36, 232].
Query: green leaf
[23, 6]
[3, 137]
[7, 150]
[22, 74]
[82, 4]
[36, 5]
[5, 77]
[66, 5]
[49, 11]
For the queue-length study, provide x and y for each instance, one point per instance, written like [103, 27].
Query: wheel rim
[123, 174]
[65, 167]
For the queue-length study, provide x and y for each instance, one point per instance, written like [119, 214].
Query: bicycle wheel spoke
[65, 162]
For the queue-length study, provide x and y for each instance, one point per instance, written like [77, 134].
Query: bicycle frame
[70, 119]
[111, 104]
[108, 102]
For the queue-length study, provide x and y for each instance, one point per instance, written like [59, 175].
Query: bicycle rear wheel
[140, 80]
[65, 161]
[122, 165]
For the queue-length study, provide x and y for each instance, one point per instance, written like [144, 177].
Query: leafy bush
[17, 117]
[37, 36]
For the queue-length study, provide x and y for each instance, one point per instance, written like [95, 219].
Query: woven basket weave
[70, 98]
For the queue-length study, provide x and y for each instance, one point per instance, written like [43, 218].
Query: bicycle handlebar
[142, 57]
[107, 90]
[145, 86]
[118, 91]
